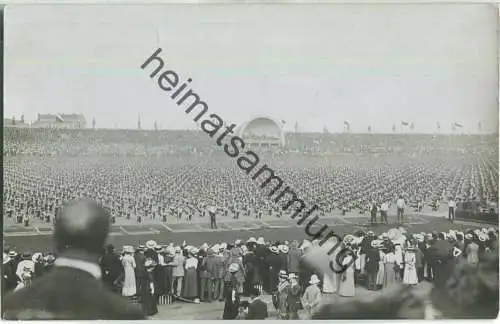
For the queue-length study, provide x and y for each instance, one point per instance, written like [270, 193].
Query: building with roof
[71, 121]
[261, 131]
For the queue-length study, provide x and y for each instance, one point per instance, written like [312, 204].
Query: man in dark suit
[257, 308]
[73, 289]
[111, 268]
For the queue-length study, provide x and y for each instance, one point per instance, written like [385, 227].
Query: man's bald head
[82, 225]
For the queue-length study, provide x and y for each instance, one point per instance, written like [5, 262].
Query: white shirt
[191, 263]
[451, 203]
[400, 203]
[384, 207]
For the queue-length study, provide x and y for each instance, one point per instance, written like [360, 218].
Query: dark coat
[68, 294]
[257, 310]
[111, 268]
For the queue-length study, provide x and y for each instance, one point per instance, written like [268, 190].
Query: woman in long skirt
[231, 294]
[190, 290]
[149, 302]
[389, 266]
[410, 271]
[381, 269]
[346, 286]
[128, 263]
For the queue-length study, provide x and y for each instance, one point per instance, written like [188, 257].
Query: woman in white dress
[128, 263]
[410, 270]
[346, 285]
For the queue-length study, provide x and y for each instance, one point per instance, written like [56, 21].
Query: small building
[262, 132]
[71, 121]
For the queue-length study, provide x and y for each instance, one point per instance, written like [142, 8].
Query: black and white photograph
[250, 161]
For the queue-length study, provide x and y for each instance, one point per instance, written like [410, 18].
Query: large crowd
[43, 171]
[153, 274]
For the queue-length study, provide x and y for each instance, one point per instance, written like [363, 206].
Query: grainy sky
[317, 65]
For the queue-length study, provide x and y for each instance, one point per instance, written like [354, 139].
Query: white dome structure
[262, 131]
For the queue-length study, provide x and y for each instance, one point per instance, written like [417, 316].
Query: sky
[314, 65]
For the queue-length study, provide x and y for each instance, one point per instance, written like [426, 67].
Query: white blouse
[191, 263]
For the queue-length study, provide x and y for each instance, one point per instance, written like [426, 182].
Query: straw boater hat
[261, 241]
[483, 237]
[252, 240]
[151, 244]
[234, 267]
[314, 280]
[12, 254]
[141, 247]
[274, 249]
[468, 236]
[283, 274]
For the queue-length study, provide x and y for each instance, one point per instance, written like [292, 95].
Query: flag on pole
[404, 123]
[59, 118]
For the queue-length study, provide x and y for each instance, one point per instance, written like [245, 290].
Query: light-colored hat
[419, 237]
[292, 276]
[128, 249]
[468, 236]
[151, 244]
[177, 249]
[385, 236]
[252, 240]
[483, 237]
[36, 256]
[12, 254]
[349, 239]
[314, 280]
[215, 247]
[233, 267]
[283, 274]
[283, 249]
[306, 244]
[223, 245]
[261, 241]
[237, 242]
[204, 246]
[274, 249]
[376, 243]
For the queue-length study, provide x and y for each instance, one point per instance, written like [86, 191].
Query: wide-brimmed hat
[252, 240]
[283, 274]
[128, 249]
[141, 247]
[274, 249]
[12, 254]
[233, 267]
[292, 276]
[348, 239]
[283, 248]
[468, 236]
[314, 280]
[151, 244]
[261, 241]
[483, 237]
[36, 257]
[158, 248]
